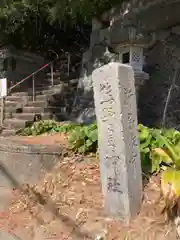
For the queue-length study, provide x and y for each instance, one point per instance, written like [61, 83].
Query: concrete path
[6, 236]
[6, 196]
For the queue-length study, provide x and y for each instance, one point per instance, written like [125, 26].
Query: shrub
[159, 150]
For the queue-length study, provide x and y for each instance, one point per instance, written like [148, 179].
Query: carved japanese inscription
[115, 103]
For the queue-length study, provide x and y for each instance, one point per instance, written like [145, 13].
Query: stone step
[17, 98]
[8, 132]
[37, 103]
[42, 97]
[55, 74]
[46, 97]
[40, 110]
[40, 88]
[10, 109]
[55, 114]
[14, 123]
[32, 109]
[19, 94]
[56, 81]
[29, 91]
[7, 115]
[10, 103]
[30, 116]
[51, 91]
[59, 86]
[55, 110]
[15, 104]
[48, 91]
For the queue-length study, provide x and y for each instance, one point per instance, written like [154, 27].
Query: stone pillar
[120, 165]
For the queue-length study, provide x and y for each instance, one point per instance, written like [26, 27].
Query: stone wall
[23, 163]
[165, 56]
[162, 61]
[159, 20]
[97, 55]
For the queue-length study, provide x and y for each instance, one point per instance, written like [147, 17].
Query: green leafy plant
[64, 128]
[46, 126]
[38, 128]
[84, 138]
[81, 138]
[157, 146]
[159, 149]
[163, 148]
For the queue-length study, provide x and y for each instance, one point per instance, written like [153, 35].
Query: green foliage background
[37, 25]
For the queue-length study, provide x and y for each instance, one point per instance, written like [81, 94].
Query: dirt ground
[67, 205]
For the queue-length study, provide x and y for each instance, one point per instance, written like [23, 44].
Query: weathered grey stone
[87, 115]
[115, 102]
[140, 79]
[176, 30]
[162, 35]
[86, 57]
[85, 81]
[83, 107]
[104, 34]
[95, 38]
[96, 24]
[22, 163]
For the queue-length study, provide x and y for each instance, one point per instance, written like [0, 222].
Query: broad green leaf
[88, 143]
[155, 162]
[163, 155]
[140, 127]
[82, 149]
[146, 143]
[145, 150]
[93, 135]
[168, 133]
[156, 144]
[171, 178]
[176, 148]
[168, 145]
[143, 134]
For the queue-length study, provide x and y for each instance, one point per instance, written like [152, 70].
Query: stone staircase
[51, 102]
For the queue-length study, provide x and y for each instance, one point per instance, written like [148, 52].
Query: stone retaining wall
[158, 19]
[25, 163]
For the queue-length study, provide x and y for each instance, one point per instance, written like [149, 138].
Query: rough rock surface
[97, 56]
[164, 80]
[161, 61]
